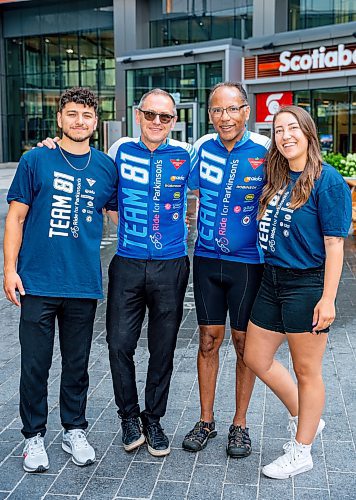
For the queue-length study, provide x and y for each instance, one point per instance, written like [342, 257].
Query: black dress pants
[135, 284]
[37, 330]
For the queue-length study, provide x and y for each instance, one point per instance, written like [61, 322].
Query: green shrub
[346, 166]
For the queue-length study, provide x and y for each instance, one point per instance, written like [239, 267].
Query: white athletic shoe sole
[280, 474]
[68, 449]
[158, 453]
[135, 444]
[39, 468]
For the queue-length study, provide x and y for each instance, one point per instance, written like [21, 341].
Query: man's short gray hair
[158, 92]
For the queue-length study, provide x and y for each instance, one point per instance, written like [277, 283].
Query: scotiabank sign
[268, 104]
[314, 60]
[319, 59]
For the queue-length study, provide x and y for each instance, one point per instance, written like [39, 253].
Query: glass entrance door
[179, 133]
[187, 122]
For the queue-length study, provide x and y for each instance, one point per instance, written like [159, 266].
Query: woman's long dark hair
[277, 168]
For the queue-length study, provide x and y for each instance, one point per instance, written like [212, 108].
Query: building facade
[284, 51]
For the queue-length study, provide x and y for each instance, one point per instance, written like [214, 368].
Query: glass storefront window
[32, 52]
[192, 81]
[209, 75]
[330, 109]
[14, 56]
[200, 29]
[40, 68]
[311, 13]
[302, 98]
[334, 113]
[51, 62]
[353, 119]
[179, 31]
[222, 19]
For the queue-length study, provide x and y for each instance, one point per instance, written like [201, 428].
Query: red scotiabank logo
[256, 162]
[177, 163]
[268, 104]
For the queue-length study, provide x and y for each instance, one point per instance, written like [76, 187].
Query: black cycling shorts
[286, 300]
[223, 285]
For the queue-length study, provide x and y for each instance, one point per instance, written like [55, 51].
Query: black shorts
[286, 300]
[221, 286]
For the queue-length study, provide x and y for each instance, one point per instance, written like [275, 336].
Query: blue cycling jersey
[152, 195]
[230, 184]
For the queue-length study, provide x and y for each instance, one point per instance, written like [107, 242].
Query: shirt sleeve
[21, 188]
[112, 203]
[193, 179]
[334, 209]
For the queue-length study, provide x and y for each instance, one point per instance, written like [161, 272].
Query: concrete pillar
[272, 18]
[263, 23]
[131, 30]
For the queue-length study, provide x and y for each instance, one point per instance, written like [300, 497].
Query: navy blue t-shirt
[60, 252]
[295, 238]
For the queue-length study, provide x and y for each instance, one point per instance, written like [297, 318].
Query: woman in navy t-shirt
[305, 214]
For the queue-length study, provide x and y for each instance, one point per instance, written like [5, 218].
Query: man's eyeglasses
[231, 110]
[151, 115]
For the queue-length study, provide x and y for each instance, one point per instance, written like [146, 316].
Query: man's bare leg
[211, 337]
[239, 442]
[245, 379]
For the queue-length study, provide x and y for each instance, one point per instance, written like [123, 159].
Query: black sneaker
[157, 441]
[132, 436]
[239, 442]
[198, 437]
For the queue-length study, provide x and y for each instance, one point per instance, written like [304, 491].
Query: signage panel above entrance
[314, 60]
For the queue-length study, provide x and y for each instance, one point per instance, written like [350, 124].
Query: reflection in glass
[311, 13]
[353, 119]
[331, 115]
[221, 20]
[191, 81]
[40, 68]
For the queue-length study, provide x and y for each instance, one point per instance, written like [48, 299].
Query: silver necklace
[70, 164]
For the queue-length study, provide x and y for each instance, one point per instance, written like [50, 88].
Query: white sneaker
[292, 427]
[295, 461]
[35, 458]
[75, 442]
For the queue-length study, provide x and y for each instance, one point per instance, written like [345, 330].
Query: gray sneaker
[75, 442]
[35, 458]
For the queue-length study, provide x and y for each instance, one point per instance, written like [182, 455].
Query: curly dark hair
[79, 95]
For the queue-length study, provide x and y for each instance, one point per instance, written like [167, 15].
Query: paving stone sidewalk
[208, 474]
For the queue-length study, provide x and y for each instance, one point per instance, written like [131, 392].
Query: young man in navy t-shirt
[52, 257]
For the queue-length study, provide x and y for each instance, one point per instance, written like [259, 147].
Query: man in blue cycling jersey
[150, 268]
[227, 266]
